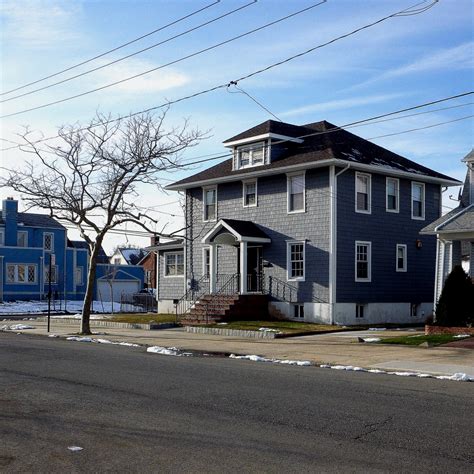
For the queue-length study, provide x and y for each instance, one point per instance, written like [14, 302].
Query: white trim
[25, 233]
[397, 200]
[369, 261]
[263, 136]
[405, 258]
[244, 184]
[204, 189]
[176, 264]
[288, 260]
[333, 235]
[289, 176]
[306, 166]
[251, 148]
[369, 193]
[204, 250]
[418, 218]
[52, 241]
[240, 238]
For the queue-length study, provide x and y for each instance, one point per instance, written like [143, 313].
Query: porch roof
[458, 221]
[243, 231]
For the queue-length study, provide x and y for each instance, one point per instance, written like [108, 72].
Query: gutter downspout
[333, 237]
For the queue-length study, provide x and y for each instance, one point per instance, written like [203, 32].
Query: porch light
[418, 243]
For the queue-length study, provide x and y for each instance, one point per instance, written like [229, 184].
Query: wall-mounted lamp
[418, 243]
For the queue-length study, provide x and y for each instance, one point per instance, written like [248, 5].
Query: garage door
[106, 290]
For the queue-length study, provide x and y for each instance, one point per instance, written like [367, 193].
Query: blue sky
[401, 62]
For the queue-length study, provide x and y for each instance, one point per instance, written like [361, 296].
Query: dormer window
[251, 155]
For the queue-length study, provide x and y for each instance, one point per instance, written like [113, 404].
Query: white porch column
[243, 268]
[213, 268]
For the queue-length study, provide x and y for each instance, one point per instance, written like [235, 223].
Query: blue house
[33, 245]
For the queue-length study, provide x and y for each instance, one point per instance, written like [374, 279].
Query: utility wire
[132, 54]
[221, 86]
[183, 58]
[195, 12]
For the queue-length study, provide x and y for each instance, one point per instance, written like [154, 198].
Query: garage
[112, 290]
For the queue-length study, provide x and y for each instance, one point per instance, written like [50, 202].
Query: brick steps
[211, 309]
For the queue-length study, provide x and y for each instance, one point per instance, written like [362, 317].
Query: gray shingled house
[455, 233]
[319, 223]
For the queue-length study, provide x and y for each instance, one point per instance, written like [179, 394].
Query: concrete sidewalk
[340, 348]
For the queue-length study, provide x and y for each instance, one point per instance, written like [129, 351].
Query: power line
[183, 58]
[195, 12]
[132, 54]
[221, 86]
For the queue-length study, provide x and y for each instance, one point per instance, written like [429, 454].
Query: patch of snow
[371, 339]
[53, 335]
[222, 324]
[461, 336]
[256, 358]
[75, 449]
[459, 377]
[172, 351]
[16, 327]
[377, 329]
[269, 330]
[79, 339]
[100, 341]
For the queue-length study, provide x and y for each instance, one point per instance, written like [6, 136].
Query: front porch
[245, 247]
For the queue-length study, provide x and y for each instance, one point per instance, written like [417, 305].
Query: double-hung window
[79, 276]
[401, 265]
[21, 273]
[296, 192]
[48, 241]
[174, 264]
[2, 238]
[54, 274]
[392, 195]
[206, 261]
[250, 193]
[251, 155]
[210, 204]
[22, 238]
[296, 260]
[363, 193]
[363, 261]
[418, 201]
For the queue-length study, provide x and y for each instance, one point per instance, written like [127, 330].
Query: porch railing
[281, 290]
[198, 289]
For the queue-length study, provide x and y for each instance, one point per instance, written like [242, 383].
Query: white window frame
[397, 196]
[165, 270]
[204, 216]
[405, 257]
[250, 148]
[2, 238]
[15, 280]
[206, 250]
[289, 277]
[52, 241]
[25, 234]
[289, 177]
[54, 278]
[423, 202]
[79, 270]
[298, 308]
[360, 311]
[369, 261]
[244, 193]
[369, 191]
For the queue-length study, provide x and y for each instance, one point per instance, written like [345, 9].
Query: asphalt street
[133, 411]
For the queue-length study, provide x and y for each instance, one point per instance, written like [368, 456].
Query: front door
[254, 269]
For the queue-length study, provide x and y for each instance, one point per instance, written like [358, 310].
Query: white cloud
[339, 104]
[39, 23]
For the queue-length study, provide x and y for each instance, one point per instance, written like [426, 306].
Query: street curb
[231, 332]
[113, 324]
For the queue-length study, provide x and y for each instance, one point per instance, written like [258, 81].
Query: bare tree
[92, 178]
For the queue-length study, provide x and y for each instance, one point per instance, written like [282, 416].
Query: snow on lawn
[16, 327]
[29, 307]
[100, 341]
[459, 376]
[171, 351]
[256, 358]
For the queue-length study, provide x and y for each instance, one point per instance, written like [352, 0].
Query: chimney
[469, 184]
[155, 240]
[10, 218]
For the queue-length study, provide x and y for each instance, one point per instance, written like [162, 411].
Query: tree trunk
[86, 308]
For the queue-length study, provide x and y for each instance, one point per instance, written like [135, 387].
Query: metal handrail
[280, 289]
[197, 290]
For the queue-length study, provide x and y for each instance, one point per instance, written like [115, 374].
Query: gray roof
[460, 219]
[245, 228]
[31, 219]
[171, 245]
[323, 143]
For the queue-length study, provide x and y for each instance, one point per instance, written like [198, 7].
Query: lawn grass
[435, 339]
[286, 327]
[141, 318]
